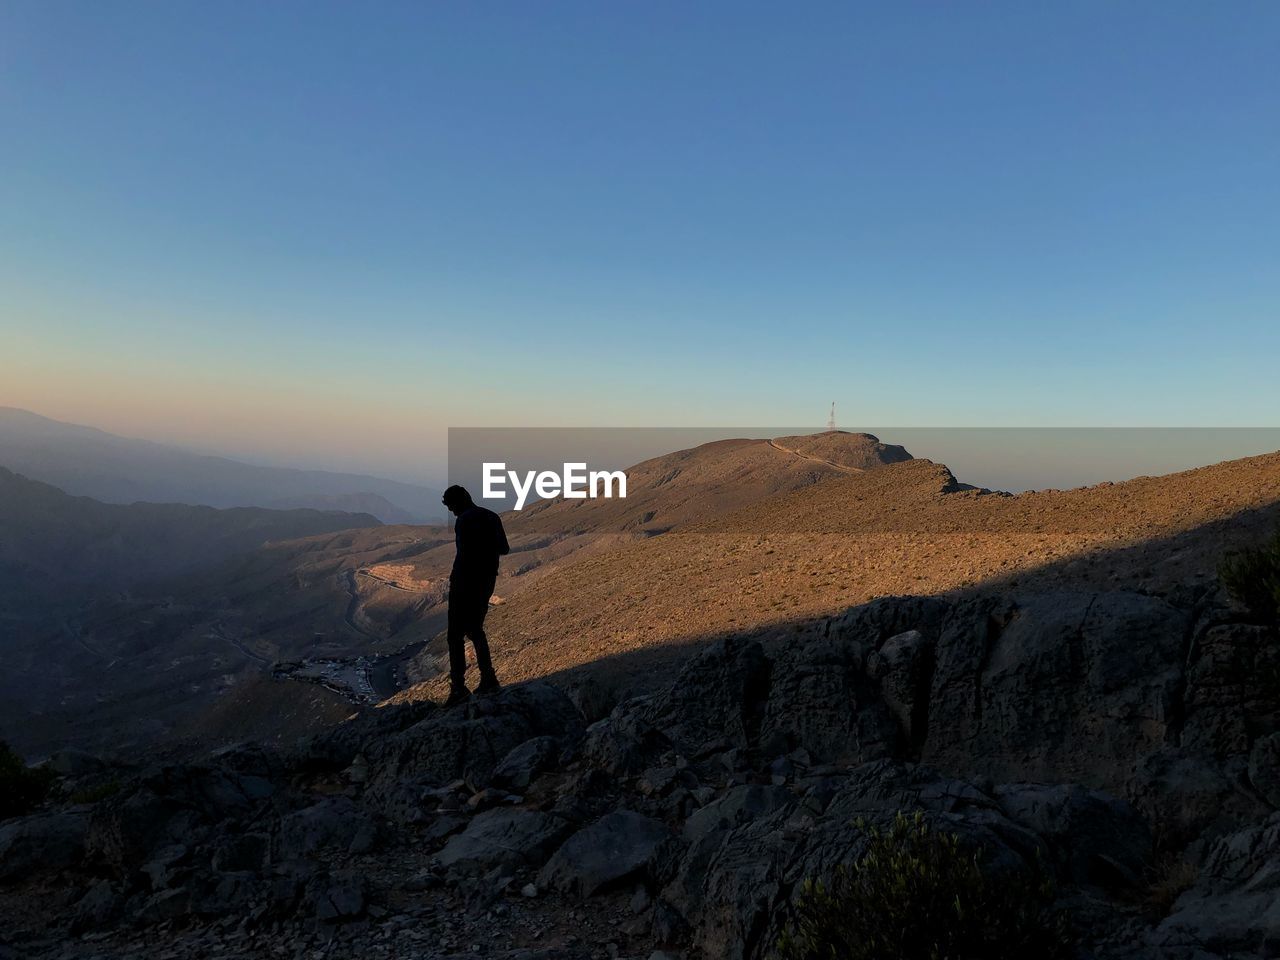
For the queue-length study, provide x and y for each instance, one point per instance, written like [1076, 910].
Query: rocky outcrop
[1234, 908]
[1062, 686]
[1100, 736]
[450, 744]
[41, 842]
[615, 848]
[505, 837]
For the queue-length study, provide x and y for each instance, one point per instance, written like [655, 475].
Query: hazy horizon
[320, 235]
[1003, 458]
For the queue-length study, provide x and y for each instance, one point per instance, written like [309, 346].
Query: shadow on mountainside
[1180, 569]
[1109, 718]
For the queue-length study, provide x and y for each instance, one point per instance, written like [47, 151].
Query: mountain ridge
[906, 528]
[87, 461]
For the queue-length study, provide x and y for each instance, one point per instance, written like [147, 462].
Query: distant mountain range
[71, 631]
[58, 548]
[85, 461]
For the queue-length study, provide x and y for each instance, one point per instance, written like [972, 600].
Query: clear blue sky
[323, 232]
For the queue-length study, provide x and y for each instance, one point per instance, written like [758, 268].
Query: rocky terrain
[700, 719]
[1127, 740]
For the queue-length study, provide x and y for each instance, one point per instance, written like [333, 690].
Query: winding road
[384, 581]
[353, 605]
[239, 645]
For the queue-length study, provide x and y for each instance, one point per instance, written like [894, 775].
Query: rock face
[736, 884]
[616, 847]
[1067, 686]
[448, 745]
[1235, 906]
[737, 806]
[1264, 768]
[1103, 736]
[1093, 838]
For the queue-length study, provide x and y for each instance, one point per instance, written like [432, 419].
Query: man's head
[457, 499]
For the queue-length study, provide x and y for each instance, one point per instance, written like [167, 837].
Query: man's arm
[500, 537]
[464, 536]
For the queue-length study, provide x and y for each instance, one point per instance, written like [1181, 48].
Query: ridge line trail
[805, 456]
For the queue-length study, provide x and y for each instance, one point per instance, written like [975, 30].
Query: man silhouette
[480, 541]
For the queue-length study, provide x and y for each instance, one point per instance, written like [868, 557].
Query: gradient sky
[321, 233]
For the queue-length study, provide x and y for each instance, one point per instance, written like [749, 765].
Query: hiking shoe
[489, 684]
[458, 695]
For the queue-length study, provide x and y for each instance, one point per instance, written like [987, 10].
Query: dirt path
[805, 456]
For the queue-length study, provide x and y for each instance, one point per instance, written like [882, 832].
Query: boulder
[524, 762]
[732, 886]
[100, 905]
[165, 905]
[735, 807]
[167, 866]
[170, 805]
[613, 850]
[718, 698]
[45, 841]
[338, 897]
[1191, 797]
[623, 744]
[504, 836]
[778, 694]
[873, 624]
[406, 803]
[334, 823]
[1093, 838]
[594, 698]
[469, 741]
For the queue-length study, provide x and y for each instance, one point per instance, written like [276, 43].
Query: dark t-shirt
[480, 541]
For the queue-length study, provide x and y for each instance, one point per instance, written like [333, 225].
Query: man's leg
[488, 679]
[457, 644]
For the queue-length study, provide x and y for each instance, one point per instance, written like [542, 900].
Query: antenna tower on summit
[831, 420]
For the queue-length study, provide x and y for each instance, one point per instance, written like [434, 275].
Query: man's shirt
[480, 541]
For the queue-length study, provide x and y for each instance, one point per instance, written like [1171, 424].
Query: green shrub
[918, 894]
[1252, 577]
[22, 788]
